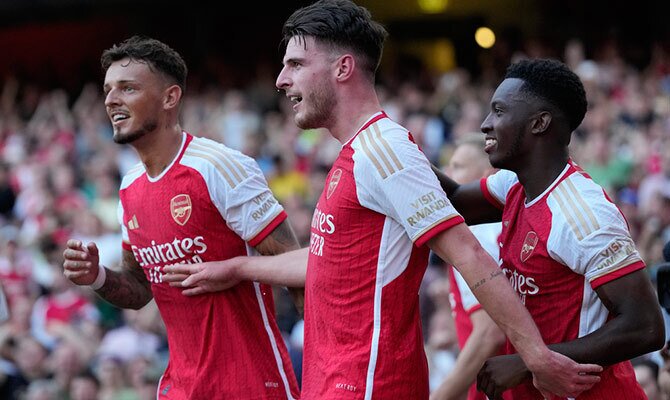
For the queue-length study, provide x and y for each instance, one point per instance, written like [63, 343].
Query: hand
[81, 263]
[501, 373]
[205, 277]
[559, 375]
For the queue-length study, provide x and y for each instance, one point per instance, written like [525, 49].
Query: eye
[497, 111]
[128, 89]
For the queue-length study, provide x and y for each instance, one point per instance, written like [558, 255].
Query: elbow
[653, 331]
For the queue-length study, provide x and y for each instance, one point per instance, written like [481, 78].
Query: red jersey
[463, 301]
[556, 250]
[380, 205]
[212, 203]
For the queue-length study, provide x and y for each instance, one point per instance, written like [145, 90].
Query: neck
[352, 110]
[158, 150]
[540, 172]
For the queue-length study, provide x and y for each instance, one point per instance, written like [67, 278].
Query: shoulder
[582, 206]
[210, 157]
[387, 147]
[131, 176]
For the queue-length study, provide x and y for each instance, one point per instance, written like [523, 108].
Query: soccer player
[189, 200]
[381, 210]
[478, 335]
[565, 247]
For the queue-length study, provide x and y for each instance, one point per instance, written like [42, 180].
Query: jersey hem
[617, 274]
[268, 229]
[442, 226]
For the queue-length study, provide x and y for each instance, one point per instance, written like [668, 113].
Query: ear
[344, 67]
[172, 97]
[540, 122]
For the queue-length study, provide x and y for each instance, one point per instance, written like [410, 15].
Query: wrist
[100, 279]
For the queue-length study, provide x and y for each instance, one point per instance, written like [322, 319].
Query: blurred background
[60, 171]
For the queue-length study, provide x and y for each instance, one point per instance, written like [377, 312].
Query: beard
[512, 155]
[322, 104]
[121, 138]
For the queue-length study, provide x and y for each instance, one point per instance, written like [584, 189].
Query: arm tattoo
[281, 240]
[493, 275]
[128, 288]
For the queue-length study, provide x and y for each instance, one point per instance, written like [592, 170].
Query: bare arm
[636, 328]
[127, 288]
[285, 269]
[468, 199]
[485, 341]
[552, 372]
[281, 240]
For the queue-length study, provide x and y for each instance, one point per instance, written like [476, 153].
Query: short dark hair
[156, 54]
[552, 81]
[340, 23]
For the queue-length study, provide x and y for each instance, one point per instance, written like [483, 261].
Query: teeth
[491, 142]
[295, 99]
[119, 117]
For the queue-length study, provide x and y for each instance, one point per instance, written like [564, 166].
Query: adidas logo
[132, 224]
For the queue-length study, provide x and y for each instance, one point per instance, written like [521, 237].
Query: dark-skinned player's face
[134, 99]
[507, 126]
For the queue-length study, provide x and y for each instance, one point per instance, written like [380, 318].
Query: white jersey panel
[590, 236]
[500, 183]
[588, 232]
[236, 186]
[134, 173]
[393, 177]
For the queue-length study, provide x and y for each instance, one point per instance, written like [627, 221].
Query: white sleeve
[394, 178]
[588, 232]
[236, 185]
[124, 228]
[499, 184]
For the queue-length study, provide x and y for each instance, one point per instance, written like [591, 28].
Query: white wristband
[100, 279]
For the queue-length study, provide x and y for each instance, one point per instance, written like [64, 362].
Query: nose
[111, 98]
[282, 80]
[487, 125]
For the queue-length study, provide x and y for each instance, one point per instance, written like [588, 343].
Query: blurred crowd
[60, 172]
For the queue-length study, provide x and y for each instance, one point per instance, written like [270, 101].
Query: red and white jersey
[463, 301]
[381, 203]
[555, 251]
[212, 203]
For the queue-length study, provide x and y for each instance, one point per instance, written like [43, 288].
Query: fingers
[174, 280]
[74, 244]
[183, 269]
[194, 291]
[590, 369]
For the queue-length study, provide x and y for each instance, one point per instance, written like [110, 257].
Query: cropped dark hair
[341, 24]
[553, 82]
[156, 54]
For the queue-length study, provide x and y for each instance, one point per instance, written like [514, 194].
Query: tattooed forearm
[128, 288]
[281, 240]
[478, 284]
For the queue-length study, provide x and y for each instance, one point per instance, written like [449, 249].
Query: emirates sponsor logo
[528, 245]
[180, 207]
[334, 180]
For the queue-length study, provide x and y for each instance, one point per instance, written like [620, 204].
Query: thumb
[92, 249]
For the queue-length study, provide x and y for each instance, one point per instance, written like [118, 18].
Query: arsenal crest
[528, 245]
[180, 207]
[334, 180]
